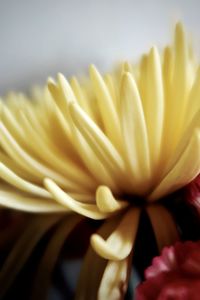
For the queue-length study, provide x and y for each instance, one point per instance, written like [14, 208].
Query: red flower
[175, 275]
[193, 192]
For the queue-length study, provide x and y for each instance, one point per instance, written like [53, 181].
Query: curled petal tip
[102, 248]
[106, 202]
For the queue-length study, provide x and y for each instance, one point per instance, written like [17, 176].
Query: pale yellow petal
[92, 162]
[99, 143]
[80, 96]
[184, 171]
[56, 160]
[9, 176]
[106, 201]
[183, 143]
[114, 282]
[88, 285]
[88, 210]
[28, 203]
[180, 88]
[66, 88]
[154, 107]
[106, 106]
[27, 162]
[134, 133]
[120, 243]
[194, 99]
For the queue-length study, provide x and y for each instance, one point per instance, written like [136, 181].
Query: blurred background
[40, 38]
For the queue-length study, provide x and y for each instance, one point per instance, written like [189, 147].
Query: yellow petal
[88, 210]
[120, 243]
[98, 142]
[15, 180]
[88, 285]
[15, 200]
[134, 133]
[21, 157]
[92, 162]
[106, 201]
[106, 107]
[194, 99]
[183, 143]
[80, 96]
[181, 84]
[114, 282]
[56, 160]
[184, 171]
[66, 88]
[154, 107]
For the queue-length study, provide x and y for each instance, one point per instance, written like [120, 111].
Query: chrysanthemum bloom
[173, 275]
[104, 148]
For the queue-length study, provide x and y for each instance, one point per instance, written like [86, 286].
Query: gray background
[40, 38]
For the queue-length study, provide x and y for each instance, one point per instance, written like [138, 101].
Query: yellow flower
[102, 148]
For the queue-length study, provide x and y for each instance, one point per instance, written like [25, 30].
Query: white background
[40, 38]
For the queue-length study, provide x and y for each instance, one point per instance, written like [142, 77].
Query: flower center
[135, 200]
